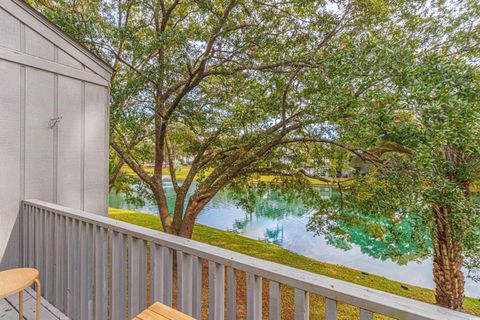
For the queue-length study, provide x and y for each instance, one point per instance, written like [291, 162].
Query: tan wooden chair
[16, 280]
[158, 311]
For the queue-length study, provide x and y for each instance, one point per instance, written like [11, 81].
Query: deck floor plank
[6, 311]
[9, 308]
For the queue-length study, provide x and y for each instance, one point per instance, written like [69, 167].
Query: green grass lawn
[274, 253]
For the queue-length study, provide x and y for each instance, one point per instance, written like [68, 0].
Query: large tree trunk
[162, 206]
[447, 263]
[191, 212]
[186, 229]
[196, 203]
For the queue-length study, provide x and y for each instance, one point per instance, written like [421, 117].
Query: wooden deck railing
[94, 267]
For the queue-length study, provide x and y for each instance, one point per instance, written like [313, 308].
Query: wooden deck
[9, 308]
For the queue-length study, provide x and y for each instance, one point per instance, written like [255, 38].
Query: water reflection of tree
[259, 200]
[130, 191]
[275, 235]
[402, 239]
[265, 200]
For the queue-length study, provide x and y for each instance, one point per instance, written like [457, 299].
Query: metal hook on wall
[53, 122]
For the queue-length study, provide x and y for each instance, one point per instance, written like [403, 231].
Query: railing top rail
[366, 298]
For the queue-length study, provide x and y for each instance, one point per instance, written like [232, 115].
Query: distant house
[360, 165]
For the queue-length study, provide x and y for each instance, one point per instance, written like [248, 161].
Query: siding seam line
[22, 142]
[55, 129]
[82, 176]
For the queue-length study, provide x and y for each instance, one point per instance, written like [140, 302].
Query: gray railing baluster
[216, 291]
[157, 278]
[39, 241]
[161, 274]
[301, 305]
[366, 315]
[49, 282]
[136, 276]
[31, 236]
[84, 270]
[48, 254]
[274, 301]
[83, 302]
[70, 270]
[25, 234]
[231, 293]
[254, 296]
[168, 274]
[90, 271]
[133, 276]
[197, 287]
[184, 280]
[60, 262]
[118, 280]
[101, 273]
[143, 274]
[76, 269]
[331, 309]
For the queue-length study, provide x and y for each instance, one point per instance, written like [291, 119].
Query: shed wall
[41, 78]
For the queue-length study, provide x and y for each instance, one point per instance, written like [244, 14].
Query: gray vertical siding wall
[43, 76]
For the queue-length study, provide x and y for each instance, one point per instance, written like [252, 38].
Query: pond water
[283, 222]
